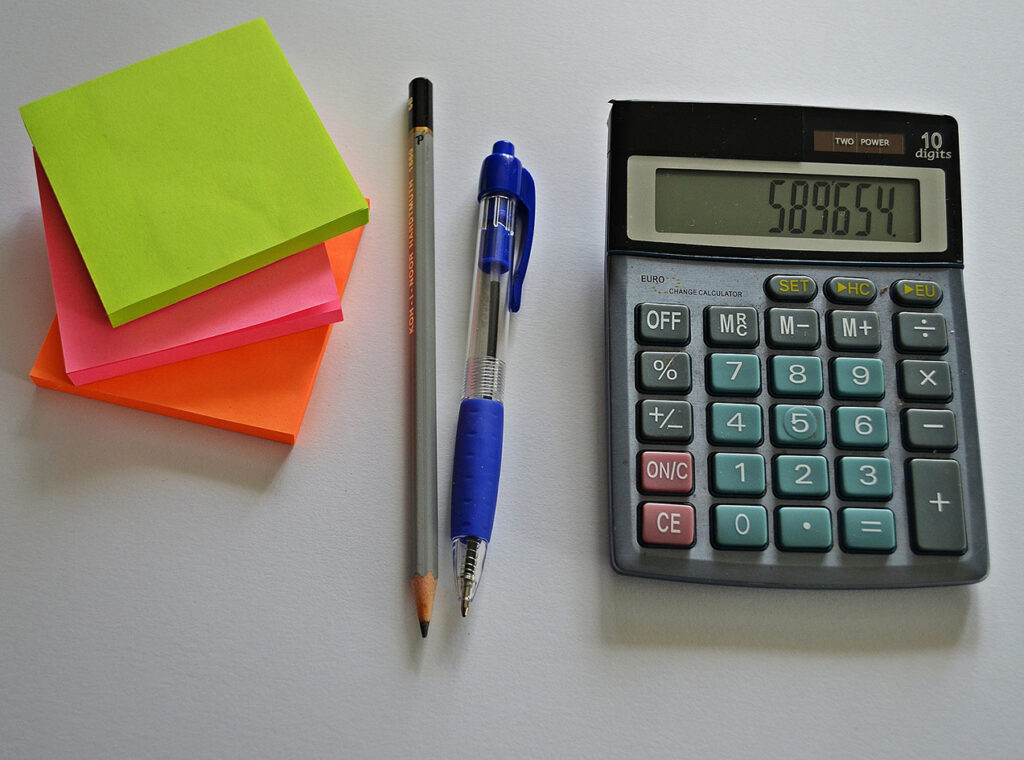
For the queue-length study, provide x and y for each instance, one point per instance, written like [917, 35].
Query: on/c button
[667, 525]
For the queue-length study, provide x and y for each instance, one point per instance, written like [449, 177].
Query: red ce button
[666, 525]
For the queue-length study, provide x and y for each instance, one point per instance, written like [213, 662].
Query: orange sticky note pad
[261, 389]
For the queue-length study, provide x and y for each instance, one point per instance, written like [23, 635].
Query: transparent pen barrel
[488, 324]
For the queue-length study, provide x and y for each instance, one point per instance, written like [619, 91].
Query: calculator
[790, 400]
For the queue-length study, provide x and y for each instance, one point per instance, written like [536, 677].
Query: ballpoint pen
[506, 196]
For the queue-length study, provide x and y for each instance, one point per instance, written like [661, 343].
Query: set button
[791, 287]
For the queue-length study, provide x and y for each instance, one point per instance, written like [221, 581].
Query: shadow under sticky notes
[260, 389]
[294, 294]
[189, 169]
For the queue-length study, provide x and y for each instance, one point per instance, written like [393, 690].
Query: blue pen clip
[503, 174]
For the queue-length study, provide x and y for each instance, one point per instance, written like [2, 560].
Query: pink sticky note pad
[296, 293]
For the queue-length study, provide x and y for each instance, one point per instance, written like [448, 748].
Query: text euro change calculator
[789, 374]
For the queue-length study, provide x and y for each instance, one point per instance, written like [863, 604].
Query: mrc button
[850, 290]
[791, 287]
[916, 292]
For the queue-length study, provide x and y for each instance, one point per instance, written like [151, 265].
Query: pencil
[421, 333]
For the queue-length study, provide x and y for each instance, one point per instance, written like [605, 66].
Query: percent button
[663, 372]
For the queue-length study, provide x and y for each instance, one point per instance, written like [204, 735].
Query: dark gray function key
[919, 333]
[792, 328]
[663, 372]
[850, 290]
[929, 430]
[663, 420]
[663, 323]
[791, 287]
[924, 381]
[854, 331]
[731, 326]
[916, 292]
[935, 497]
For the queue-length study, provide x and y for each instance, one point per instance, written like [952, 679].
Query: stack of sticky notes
[201, 227]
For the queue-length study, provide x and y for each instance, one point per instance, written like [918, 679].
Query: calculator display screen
[788, 205]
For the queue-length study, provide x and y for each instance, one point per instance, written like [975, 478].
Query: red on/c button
[666, 472]
[666, 525]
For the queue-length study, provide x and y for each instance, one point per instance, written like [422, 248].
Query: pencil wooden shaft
[421, 331]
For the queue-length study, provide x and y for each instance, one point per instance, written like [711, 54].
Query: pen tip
[424, 625]
[465, 607]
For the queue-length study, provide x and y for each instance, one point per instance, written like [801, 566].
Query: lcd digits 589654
[788, 205]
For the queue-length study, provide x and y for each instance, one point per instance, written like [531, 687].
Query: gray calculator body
[790, 400]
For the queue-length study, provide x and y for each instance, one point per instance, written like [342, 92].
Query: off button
[850, 290]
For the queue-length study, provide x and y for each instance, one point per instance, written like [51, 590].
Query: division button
[666, 472]
[791, 287]
[663, 323]
[670, 525]
[730, 326]
[854, 331]
[936, 506]
[850, 290]
[920, 333]
[929, 429]
[916, 292]
[925, 381]
[662, 420]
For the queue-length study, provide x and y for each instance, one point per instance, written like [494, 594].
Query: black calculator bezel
[771, 133]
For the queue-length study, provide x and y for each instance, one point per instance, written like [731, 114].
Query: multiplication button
[925, 381]
[663, 323]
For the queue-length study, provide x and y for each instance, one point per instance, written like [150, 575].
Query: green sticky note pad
[191, 168]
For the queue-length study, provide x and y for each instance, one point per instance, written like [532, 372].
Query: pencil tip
[465, 607]
[424, 625]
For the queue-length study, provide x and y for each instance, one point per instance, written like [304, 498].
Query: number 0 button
[740, 526]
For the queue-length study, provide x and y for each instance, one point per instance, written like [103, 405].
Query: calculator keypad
[830, 437]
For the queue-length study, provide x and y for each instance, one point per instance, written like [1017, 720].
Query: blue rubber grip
[477, 467]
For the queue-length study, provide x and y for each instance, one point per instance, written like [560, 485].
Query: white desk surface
[169, 590]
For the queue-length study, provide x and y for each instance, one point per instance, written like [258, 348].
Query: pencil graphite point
[423, 588]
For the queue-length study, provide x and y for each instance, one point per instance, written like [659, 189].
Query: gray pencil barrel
[421, 147]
